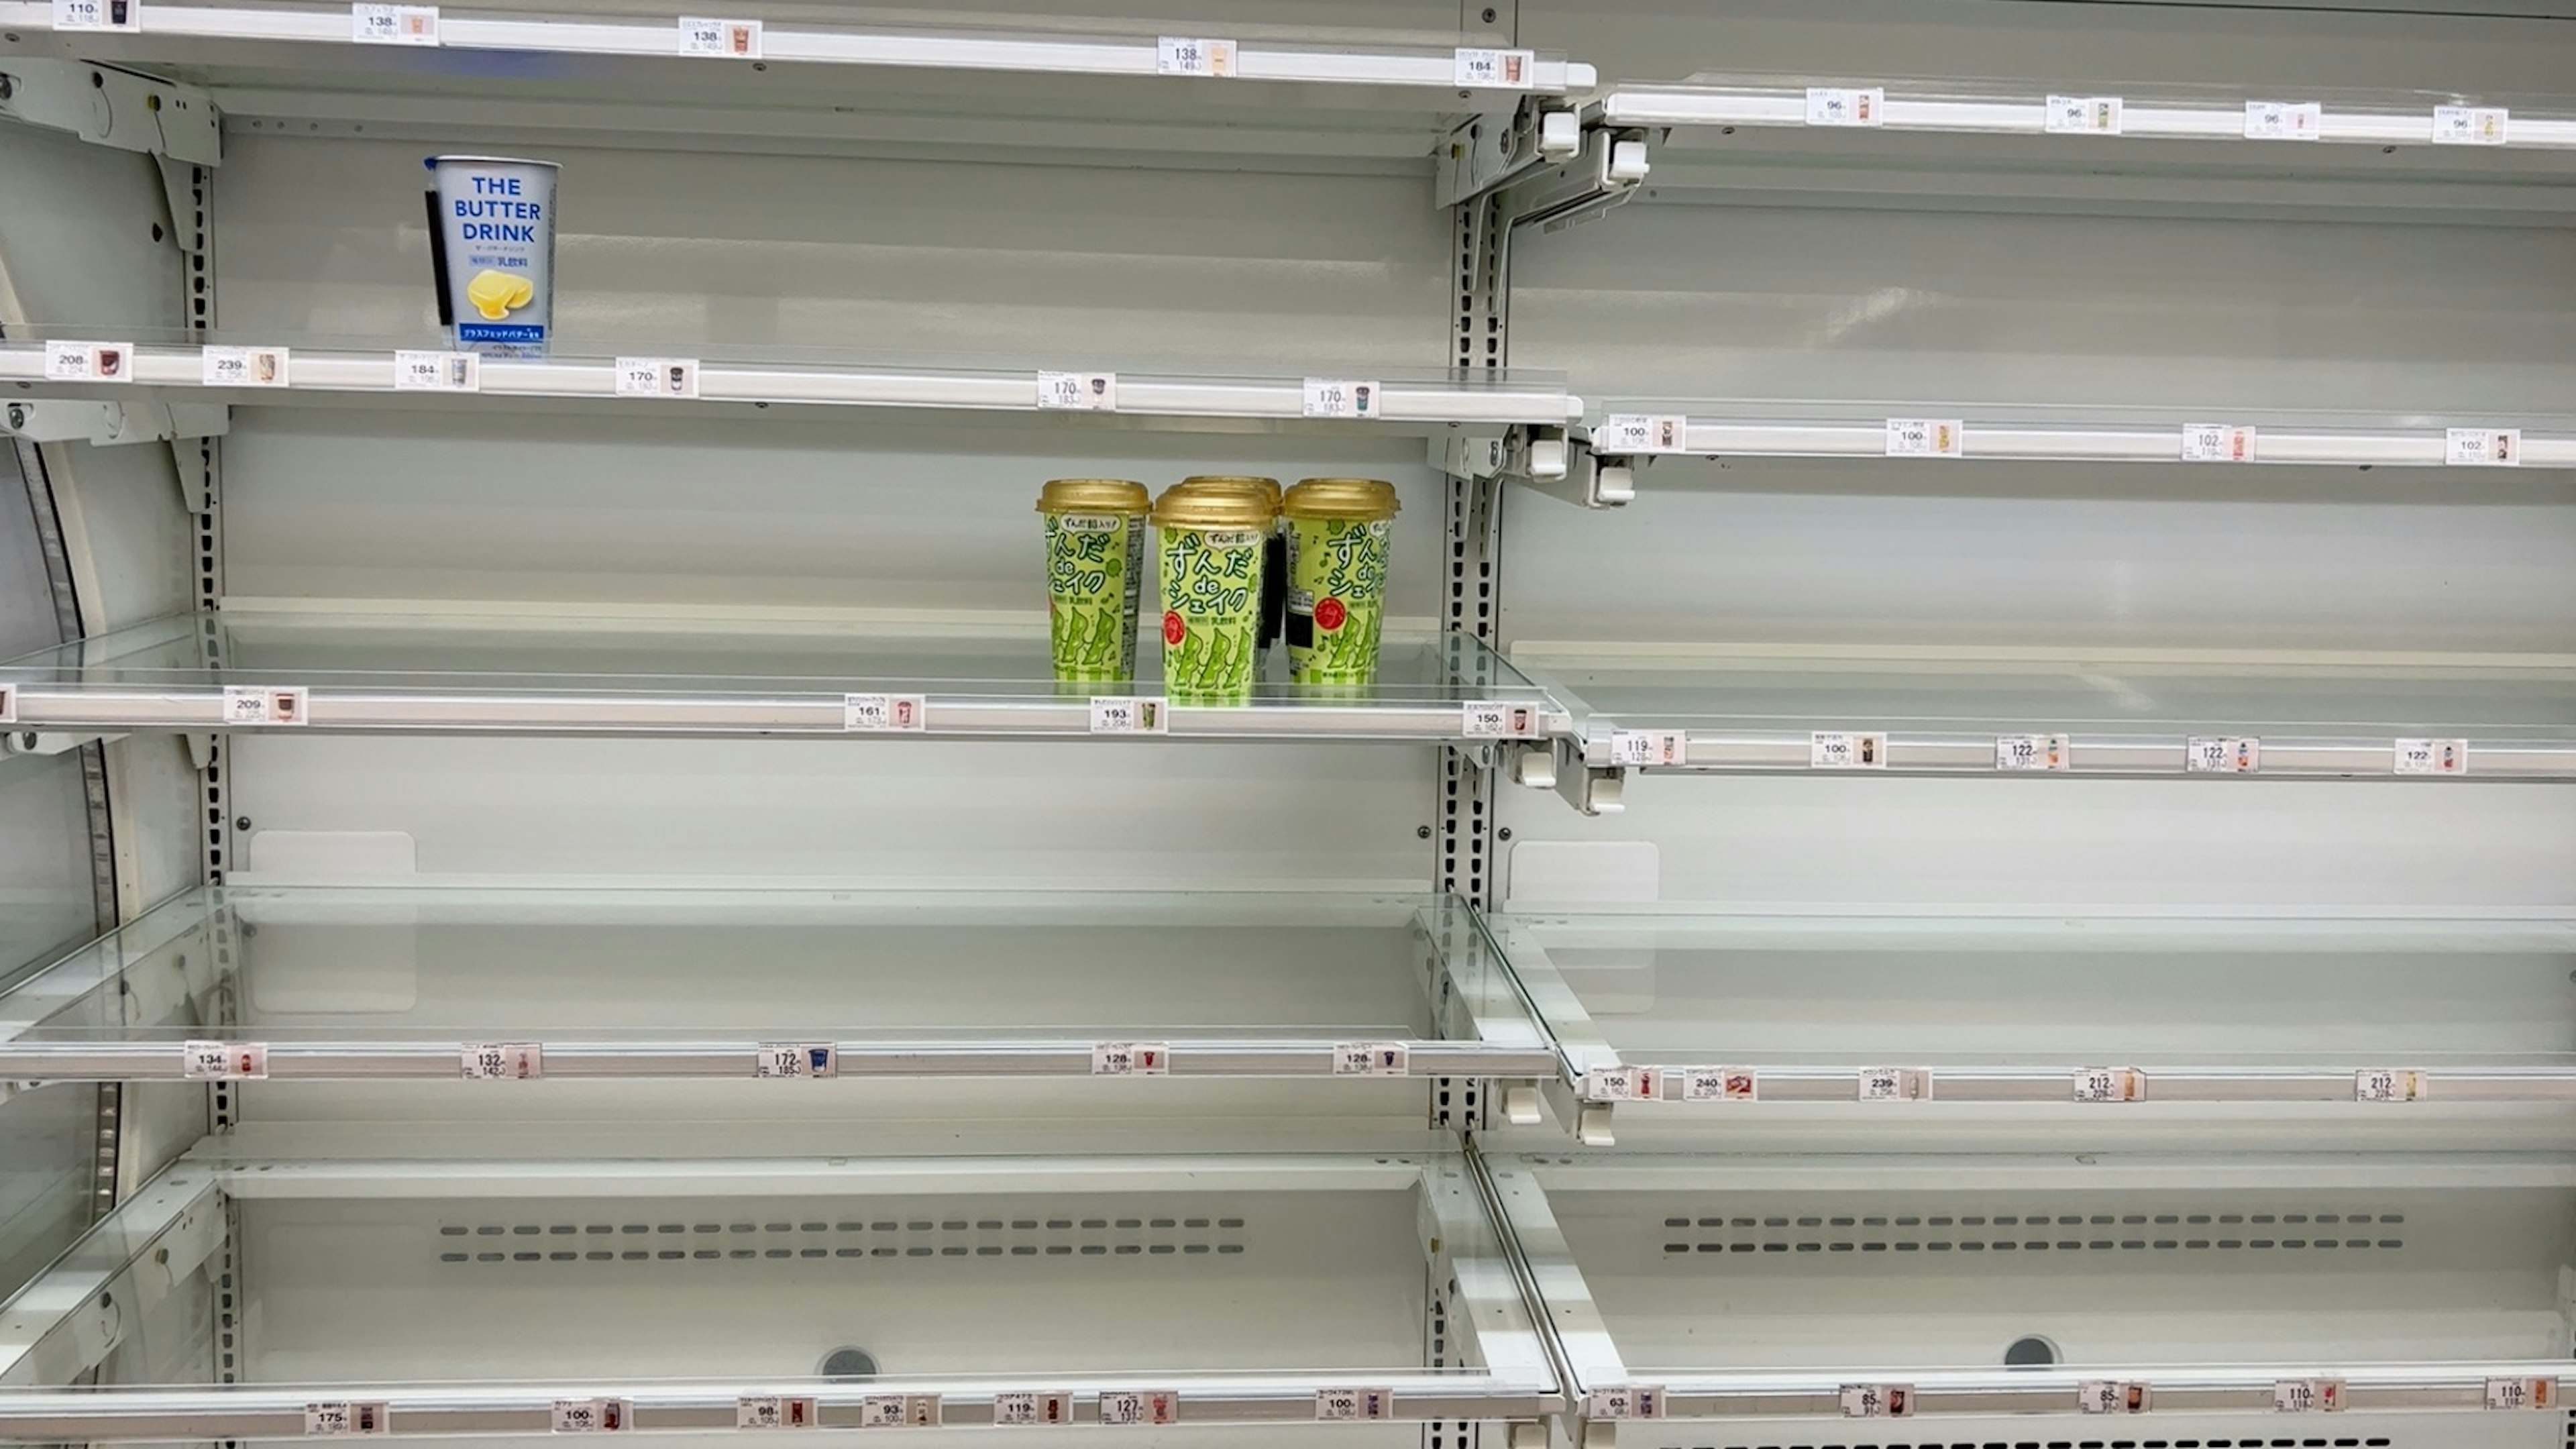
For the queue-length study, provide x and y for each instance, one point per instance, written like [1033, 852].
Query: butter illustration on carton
[492, 238]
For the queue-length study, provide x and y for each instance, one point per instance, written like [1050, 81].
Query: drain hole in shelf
[848, 1363]
[2031, 1350]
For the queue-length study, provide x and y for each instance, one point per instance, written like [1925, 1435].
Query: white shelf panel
[2413, 1283]
[960, 1280]
[412, 984]
[373, 673]
[314, 374]
[2133, 714]
[1728, 1015]
[648, 36]
[2068, 435]
[2142, 118]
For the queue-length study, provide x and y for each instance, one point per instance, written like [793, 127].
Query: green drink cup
[1213, 540]
[1095, 553]
[1337, 539]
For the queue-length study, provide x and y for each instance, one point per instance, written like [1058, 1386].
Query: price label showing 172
[805, 1060]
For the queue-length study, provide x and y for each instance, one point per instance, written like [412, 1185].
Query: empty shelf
[364, 672]
[515, 985]
[1988, 1291]
[2496, 718]
[1710, 1017]
[694, 1295]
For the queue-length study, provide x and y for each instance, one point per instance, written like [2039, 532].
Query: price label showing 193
[1354, 1405]
[1130, 715]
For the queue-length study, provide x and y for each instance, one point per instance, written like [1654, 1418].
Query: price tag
[1090, 392]
[2432, 757]
[1344, 397]
[2217, 443]
[1622, 1084]
[2222, 755]
[1371, 1059]
[1895, 1084]
[899, 1411]
[1489, 720]
[884, 713]
[2308, 1396]
[1835, 106]
[125, 15]
[2470, 125]
[244, 366]
[808, 1060]
[393, 24]
[1130, 715]
[89, 362]
[2110, 1084]
[1630, 1401]
[2108, 1396]
[1648, 749]
[1878, 1401]
[772, 1411]
[222, 1061]
[251, 704]
[2084, 115]
[724, 39]
[1718, 1084]
[1926, 438]
[1180, 55]
[437, 372]
[340, 1418]
[2283, 121]
[657, 377]
[2034, 752]
[2522, 1393]
[8, 704]
[1837, 751]
[2482, 447]
[504, 1061]
[1354, 1405]
[1131, 1059]
[593, 1416]
[1621, 434]
[1030, 1409]
[1502, 70]
[1139, 1406]
[2385, 1084]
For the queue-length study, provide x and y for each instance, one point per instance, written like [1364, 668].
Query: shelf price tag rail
[1145, 395]
[1809, 1083]
[2080, 442]
[639, 38]
[43, 1061]
[1717, 750]
[2251, 1389]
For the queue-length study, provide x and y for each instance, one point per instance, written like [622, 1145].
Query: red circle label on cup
[1330, 613]
[1173, 629]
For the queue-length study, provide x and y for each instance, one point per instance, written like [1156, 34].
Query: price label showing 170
[1090, 392]
[1343, 397]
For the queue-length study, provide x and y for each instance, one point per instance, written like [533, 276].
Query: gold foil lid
[1363, 498]
[1214, 503]
[1093, 495]
[1268, 488]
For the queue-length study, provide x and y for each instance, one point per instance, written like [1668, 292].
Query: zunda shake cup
[1095, 554]
[1274, 558]
[1212, 542]
[1337, 536]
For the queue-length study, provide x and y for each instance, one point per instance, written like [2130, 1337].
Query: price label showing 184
[1500, 70]
[437, 372]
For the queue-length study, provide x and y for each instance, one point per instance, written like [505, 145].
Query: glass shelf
[462, 985]
[2252, 714]
[1709, 1015]
[1225, 1290]
[1991, 1291]
[532, 675]
[319, 370]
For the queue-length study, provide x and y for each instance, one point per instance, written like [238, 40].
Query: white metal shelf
[2122, 713]
[1299, 1231]
[308, 375]
[1355, 988]
[1888, 1287]
[377, 673]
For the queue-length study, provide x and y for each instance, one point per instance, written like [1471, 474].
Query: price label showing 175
[342, 1418]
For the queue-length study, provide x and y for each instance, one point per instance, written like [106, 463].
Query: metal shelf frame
[66, 1321]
